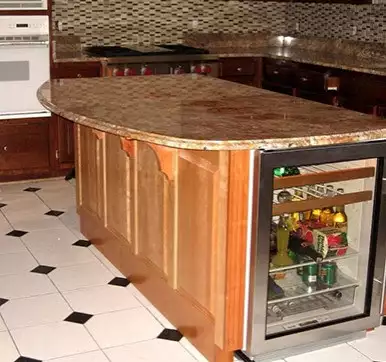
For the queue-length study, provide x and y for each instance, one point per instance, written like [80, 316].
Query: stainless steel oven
[301, 299]
[24, 65]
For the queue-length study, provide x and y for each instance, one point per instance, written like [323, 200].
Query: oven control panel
[12, 26]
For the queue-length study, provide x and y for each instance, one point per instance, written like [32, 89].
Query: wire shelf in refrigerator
[295, 288]
[350, 253]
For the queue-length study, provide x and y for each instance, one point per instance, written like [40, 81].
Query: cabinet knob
[5, 148]
[304, 79]
[79, 75]
[239, 69]
[275, 72]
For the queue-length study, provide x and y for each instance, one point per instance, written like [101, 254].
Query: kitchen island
[167, 176]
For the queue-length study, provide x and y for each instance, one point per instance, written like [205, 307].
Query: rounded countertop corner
[204, 113]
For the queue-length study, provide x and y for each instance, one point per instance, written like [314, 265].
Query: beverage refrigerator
[316, 268]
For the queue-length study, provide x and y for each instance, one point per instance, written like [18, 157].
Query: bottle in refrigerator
[315, 214]
[327, 214]
[304, 249]
[297, 216]
[282, 237]
[340, 217]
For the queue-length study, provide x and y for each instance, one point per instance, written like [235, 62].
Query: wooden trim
[323, 177]
[223, 356]
[237, 225]
[99, 134]
[167, 158]
[127, 145]
[350, 198]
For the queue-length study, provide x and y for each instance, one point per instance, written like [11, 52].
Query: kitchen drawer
[237, 66]
[282, 75]
[243, 79]
[76, 70]
[310, 80]
[24, 148]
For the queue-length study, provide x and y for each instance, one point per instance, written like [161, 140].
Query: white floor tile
[8, 351]
[123, 327]
[105, 261]
[192, 350]
[5, 226]
[41, 222]
[51, 184]
[160, 317]
[158, 350]
[24, 208]
[80, 276]
[33, 311]
[25, 285]
[16, 263]
[60, 256]
[11, 245]
[96, 356]
[3, 327]
[53, 340]
[373, 346]
[43, 239]
[101, 299]
[331, 354]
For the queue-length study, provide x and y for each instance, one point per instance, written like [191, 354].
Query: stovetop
[143, 50]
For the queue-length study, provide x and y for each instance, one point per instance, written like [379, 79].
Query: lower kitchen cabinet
[65, 152]
[24, 148]
[241, 70]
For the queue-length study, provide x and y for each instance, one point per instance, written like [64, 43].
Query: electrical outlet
[195, 24]
[354, 30]
[297, 27]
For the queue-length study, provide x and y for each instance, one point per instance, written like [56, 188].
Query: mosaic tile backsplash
[114, 22]
[155, 21]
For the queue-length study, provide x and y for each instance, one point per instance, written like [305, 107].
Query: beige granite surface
[349, 55]
[197, 112]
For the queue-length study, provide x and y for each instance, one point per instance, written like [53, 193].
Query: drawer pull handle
[304, 79]
[5, 148]
[79, 75]
[275, 72]
[239, 69]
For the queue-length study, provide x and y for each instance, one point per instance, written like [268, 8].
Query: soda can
[310, 274]
[328, 273]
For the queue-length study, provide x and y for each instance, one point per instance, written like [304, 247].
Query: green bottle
[282, 237]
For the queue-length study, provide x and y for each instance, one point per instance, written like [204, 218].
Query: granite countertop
[369, 65]
[198, 112]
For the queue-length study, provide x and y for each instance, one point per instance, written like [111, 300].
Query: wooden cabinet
[76, 70]
[241, 70]
[24, 148]
[162, 216]
[65, 151]
[279, 75]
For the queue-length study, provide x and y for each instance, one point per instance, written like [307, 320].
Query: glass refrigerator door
[320, 243]
[315, 246]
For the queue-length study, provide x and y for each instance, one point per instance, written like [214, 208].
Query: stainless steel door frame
[257, 343]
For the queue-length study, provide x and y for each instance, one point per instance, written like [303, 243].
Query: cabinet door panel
[76, 70]
[24, 145]
[91, 165]
[201, 223]
[66, 142]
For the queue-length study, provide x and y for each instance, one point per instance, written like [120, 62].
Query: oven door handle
[24, 43]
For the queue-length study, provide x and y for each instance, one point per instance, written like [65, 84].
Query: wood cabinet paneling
[166, 219]
[241, 70]
[66, 152]
[24, 148]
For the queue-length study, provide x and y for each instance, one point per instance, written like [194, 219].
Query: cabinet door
[76, 70]
[66, 156]
[24, 148]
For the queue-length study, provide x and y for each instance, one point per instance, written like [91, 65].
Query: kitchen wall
[355, 22]
[155, 21]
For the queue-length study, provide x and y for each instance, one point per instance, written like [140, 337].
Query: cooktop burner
[163, 49]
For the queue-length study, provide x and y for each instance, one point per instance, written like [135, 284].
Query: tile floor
[62, 301]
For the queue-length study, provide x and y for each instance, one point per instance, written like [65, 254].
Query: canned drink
[310, 274]
[328, 273]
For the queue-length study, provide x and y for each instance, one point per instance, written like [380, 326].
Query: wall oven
[24, 65]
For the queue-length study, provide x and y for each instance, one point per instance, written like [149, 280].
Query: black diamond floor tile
[32, 189]
[80, 318]
[171, 335]
[54, 213]
[43, 269]
[81, 242]
[27, 359]
[17, 233]
[119, 282]
[3, 301]
[2, 205]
